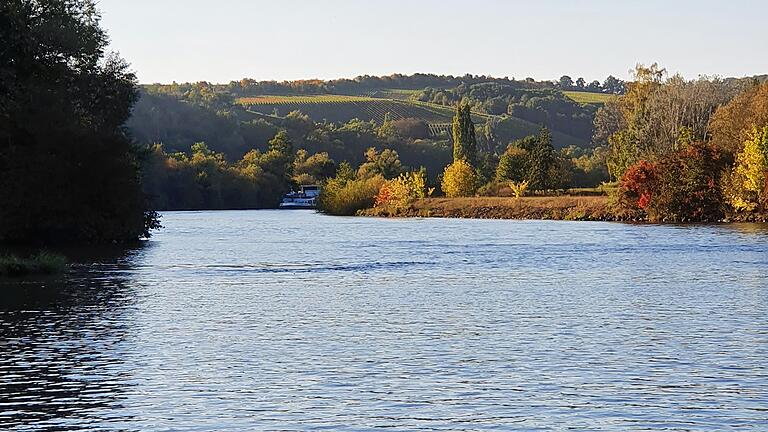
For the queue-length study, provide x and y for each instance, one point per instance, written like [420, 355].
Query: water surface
[268, 320]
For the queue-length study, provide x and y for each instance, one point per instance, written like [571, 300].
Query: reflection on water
[59, 343]
[295, 321]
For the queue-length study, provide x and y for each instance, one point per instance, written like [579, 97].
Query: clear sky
[224, 40]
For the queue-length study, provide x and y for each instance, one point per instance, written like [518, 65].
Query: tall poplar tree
[464, 139]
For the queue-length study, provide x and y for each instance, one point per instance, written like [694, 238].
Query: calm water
[268, 320]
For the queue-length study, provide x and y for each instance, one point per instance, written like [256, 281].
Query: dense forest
[688, 150]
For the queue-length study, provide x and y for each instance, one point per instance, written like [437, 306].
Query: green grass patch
[43, 263]
[586, 98]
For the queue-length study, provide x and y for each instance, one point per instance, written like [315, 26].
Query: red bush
[679, 186]
[638, 183]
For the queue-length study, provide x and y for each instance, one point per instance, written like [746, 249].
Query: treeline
[688, 150]
[359, 85]
[202, 178]
[366, 83]
[611, 85]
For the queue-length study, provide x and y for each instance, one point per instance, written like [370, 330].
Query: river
[269, 320]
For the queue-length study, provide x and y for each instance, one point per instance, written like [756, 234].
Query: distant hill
[235, 116]
[241, 115]
[395, 102]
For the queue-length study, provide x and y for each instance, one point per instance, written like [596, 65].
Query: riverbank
[594, 208]
[575, 208]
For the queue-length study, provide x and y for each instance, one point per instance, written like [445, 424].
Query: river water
[269, 320]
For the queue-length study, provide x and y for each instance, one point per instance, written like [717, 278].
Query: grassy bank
[567, 207]
[558, 207]
[43, 263]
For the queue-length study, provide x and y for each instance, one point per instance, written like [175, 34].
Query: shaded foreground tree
[67, 169]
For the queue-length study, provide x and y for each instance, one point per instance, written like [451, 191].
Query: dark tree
[67, 169]
[281, 154]
[541, 160]
[565, 82]
[614, 85]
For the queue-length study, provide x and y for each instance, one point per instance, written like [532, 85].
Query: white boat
[305, 198]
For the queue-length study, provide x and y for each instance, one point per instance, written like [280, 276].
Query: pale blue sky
[224, 40]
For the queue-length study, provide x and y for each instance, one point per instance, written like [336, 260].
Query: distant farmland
[399, 94]
[342, 108]
[589, 98]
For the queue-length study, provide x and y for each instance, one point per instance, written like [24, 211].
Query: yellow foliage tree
[732, 122]
[399, 192]
[748, 181]
[459, 179]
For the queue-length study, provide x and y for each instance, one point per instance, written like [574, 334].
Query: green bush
[345, 197]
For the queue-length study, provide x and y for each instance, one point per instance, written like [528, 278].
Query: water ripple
[226, 322]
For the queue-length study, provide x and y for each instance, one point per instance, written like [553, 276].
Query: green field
[589, 98]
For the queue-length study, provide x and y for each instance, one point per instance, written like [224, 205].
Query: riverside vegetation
[87, 155]
[536, 145]
[678, 151]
